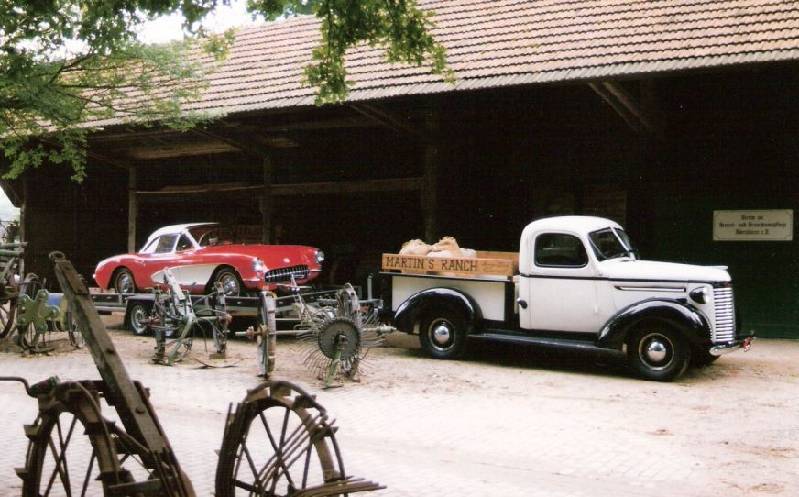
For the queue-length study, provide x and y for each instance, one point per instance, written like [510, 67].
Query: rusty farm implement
[103, 438]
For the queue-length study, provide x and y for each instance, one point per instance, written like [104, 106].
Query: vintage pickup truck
[576, 282]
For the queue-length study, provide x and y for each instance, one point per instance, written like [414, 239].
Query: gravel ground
[504, 421]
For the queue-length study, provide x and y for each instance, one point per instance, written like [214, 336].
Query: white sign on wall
[758, 225]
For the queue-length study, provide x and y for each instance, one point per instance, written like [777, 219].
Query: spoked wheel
[70, 452]
[8, 311]
[279, 442]
[71, 327]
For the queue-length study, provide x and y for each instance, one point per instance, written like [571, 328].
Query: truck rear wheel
[658, 352]
[442, 334]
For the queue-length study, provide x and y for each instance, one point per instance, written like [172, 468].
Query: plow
[103, 438]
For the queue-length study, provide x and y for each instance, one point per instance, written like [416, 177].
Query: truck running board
[540, 341]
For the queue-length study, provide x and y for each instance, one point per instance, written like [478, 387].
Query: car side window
[184, 243]
[166, 243]
[560, 250]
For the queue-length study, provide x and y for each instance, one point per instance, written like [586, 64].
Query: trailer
[136, 307]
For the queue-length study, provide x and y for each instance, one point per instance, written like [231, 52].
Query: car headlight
[320, 256]
[258, 265]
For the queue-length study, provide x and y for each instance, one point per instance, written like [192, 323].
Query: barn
[678, 119]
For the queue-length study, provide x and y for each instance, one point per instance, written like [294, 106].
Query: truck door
[559, 285]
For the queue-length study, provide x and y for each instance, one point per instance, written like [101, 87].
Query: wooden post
[266, 202]
[133, 209]
[430, 181]
[23, 223]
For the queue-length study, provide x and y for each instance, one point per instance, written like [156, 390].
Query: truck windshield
[611, 243]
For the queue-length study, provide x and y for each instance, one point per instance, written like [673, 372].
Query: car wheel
[442, 334]
[124, 282]
[136, 318]
[231, 284]
[657, 352]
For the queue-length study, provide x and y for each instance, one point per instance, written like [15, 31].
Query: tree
[65, 63]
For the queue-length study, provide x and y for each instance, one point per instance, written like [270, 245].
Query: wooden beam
[133, 209]
[628, 108]
[243, 146]
[205, 147]
[288, 189]
[266, 202]
[385, 118]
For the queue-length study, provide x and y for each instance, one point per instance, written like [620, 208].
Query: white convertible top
[174, 229]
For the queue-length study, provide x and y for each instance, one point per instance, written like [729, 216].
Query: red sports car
[212, 257]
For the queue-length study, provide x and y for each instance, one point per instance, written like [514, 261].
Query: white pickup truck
[579, 284]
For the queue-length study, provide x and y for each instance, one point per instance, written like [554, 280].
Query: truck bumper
[742, 343]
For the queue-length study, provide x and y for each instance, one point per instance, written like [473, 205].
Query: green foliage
[64, 63]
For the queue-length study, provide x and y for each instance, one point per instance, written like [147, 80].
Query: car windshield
[208, 236]
[611, 243]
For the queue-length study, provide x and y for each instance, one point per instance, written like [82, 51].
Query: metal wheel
[29, 339]
[71, 327]
[124, 282]
[178, 349]
[231, 285]
[71, 451]
[279, 442]
[8, 311]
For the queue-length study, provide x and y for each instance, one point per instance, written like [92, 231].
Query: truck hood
[661, 271]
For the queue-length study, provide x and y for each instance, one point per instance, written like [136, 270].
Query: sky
[224, 17]
[162, 30]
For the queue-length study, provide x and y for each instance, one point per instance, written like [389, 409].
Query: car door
[562, 285]
[161, 256]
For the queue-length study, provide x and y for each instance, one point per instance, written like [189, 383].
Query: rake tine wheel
[70, 451]
[279, 442]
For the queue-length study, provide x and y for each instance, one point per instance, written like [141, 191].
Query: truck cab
[579, 284]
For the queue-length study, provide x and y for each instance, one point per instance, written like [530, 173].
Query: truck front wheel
[657, 352]
[443, 334]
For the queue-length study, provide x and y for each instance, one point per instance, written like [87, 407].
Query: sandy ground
[504, 421]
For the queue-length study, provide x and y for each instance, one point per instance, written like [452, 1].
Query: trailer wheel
[136, 318]
[442, 334]
[658, 352]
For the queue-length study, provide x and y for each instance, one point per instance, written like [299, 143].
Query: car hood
[274, 256]
[661, 271]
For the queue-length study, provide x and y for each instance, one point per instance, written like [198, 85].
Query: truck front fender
[411, 311]
[683, 316]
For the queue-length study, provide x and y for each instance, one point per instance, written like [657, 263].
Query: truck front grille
[724, 306]
[285, 273]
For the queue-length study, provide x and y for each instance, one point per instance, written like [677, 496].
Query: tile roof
[493, 43]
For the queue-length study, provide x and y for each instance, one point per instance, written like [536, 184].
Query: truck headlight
[258, 266]
[320, 256]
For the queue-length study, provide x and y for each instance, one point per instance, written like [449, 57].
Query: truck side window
[558, 249]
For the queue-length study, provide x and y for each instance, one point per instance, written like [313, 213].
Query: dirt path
[505, 421]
